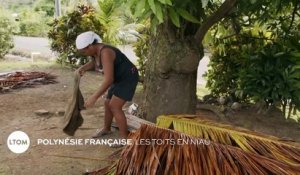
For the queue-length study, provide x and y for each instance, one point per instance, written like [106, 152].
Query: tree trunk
[171, 75]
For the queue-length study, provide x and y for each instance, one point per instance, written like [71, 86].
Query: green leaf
[152, 5]
[186, 15]
[162, 1]
[159, 13]
[130, 3]
[147, 8]
[146, 15]
[252, 1]
[204, 3]
[277, 4]
[279, 54]
[139, 8]
[154, 23]
[168, 2]
[174, 17]
[295, 54]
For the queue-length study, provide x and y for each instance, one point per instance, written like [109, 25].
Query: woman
[120, 79]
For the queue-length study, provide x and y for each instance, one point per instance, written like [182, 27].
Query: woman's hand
[90, 102]
[81, 71]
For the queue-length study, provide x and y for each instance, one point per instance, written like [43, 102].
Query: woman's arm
[88, 66]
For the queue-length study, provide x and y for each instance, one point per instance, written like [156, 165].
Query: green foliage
[33, 16]
[6, 32]
[223, 75]
[141, 50]
[180, 13]
[32, 23]
[250, 70]
[272, 75]
[64, 31]
[229, 56]
[109, 15]
[258, 60]
[47, 6]
[120, 25]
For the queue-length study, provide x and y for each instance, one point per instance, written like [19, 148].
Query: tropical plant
[109, 15]
[65, 29]
[119, 23]
[6, 33]
[273, 76]
[68, 6]
[254, 57]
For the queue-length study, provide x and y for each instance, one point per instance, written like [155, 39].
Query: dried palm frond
[13, 80]
[196, 158]
[249, 141]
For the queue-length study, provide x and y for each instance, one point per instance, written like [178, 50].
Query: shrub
[273, 76]
[33, 23]
[64, 30]
[250, 69]
[6, 32]
[47, 6]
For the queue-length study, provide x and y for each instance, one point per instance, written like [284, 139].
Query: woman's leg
[108, 116]
[115, 106]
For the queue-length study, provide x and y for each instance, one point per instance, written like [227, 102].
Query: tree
[175, 51]
[176, 46]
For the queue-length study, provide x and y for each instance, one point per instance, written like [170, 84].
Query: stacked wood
[20, 79]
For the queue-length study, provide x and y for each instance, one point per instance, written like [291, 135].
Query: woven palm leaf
[249, 141]
[196, 158]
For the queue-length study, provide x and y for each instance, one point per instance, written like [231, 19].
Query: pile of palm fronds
[248, 141]
[209, 148]
[191, 156]
[13, 80]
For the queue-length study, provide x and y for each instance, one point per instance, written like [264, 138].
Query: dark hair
[95, 42]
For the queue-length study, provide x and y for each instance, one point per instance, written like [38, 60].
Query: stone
[60, 112]
[222, 100]
[41, 112]
[236, 106]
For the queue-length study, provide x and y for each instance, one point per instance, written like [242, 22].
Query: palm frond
[120, 26]
[195, 158]
[249, 141]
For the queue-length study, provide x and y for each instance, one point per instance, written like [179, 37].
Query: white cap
[87, 38]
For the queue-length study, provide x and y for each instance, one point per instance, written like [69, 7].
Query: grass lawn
[19, 65]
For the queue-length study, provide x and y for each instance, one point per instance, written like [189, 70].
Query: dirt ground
[17, 112]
